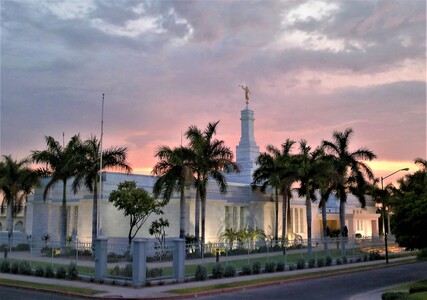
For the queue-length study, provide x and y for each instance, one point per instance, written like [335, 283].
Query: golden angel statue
[247, 92]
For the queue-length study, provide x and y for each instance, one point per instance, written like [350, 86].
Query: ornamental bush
[61, 273]
[280, 266]
[311, 263]
[270, 267]
[256, 267]
[246, 270]
[5, 266]
[48, 272]
[300, 264]
[320, 262]
[230, 271]
[328, 261]
[201, 273]
[14, 268]
[73, 272]
[24, 268]
[217, 271]
[39, 271]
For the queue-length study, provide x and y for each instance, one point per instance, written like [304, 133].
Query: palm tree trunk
[197, 218]
[63, 237]
[94, 215]
[308, 208]
[284, 221]
[324, 225]
[288, 218]
[342, 224]
[182, 213]
[276, 216]
[10, 223]
[203, 202]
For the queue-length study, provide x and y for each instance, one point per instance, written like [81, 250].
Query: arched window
[19, 226]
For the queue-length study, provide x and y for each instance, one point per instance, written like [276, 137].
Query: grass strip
[50, 287]
[250, 282]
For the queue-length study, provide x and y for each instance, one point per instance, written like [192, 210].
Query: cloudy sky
[312, 67]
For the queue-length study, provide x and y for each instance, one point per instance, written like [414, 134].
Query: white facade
[240, 207]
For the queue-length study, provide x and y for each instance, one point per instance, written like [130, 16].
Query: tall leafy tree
[311, 169]
[353, 172]
[61, 163]
[277, 168]
[137, 204]
[17, 180]
[89, 167]
[174, 171]
[211, 159]
[409, 219]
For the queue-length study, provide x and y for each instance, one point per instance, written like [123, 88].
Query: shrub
[422, 254]
[280, 266]
[24, 268]
[73, 272]
[230, 271]
[61, 273]
[394, 296]
[201, 273]
[5, 266]
[344, 260]
[256, 267]
[311, 263]
[39, 271]
[339, 262]
[418, 287]
[217, 271]
[359, 259]
[291, 267]
[300, 264]
[48, 272]
[22, 247]
[3, 247]
[154, 272]
[374, 255]
[270, 267]
[14, 268]
[246, 270]
[127, 271]
[328, 261]
[365, 257]
[320, 262]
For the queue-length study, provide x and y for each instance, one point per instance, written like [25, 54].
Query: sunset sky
[312, 67]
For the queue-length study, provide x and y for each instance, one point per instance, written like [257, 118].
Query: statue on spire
[247, 92]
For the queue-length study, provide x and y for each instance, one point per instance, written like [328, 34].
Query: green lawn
[51, 287]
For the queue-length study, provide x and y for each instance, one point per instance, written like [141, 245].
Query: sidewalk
[163, 291]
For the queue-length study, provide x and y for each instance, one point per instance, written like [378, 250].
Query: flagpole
[100, 170]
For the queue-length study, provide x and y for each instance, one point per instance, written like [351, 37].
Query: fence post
[139, 262]
[179, 260]
[100, 258]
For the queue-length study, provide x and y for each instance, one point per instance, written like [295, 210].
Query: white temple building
[239, 208]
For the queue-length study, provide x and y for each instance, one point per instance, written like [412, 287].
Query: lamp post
[384, 211]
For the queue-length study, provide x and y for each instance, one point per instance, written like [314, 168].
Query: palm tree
[276, 168]
[61, 164]
[17, 180]
[230, 235]
[211, 159]
[174, 169]
[350, 169]
[311, 168]
[89, 168]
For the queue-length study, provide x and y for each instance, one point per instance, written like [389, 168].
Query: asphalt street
[338, 287]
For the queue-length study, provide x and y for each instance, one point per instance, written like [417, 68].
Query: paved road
[343, 286]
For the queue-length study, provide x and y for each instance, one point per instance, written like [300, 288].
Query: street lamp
[384, 211]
